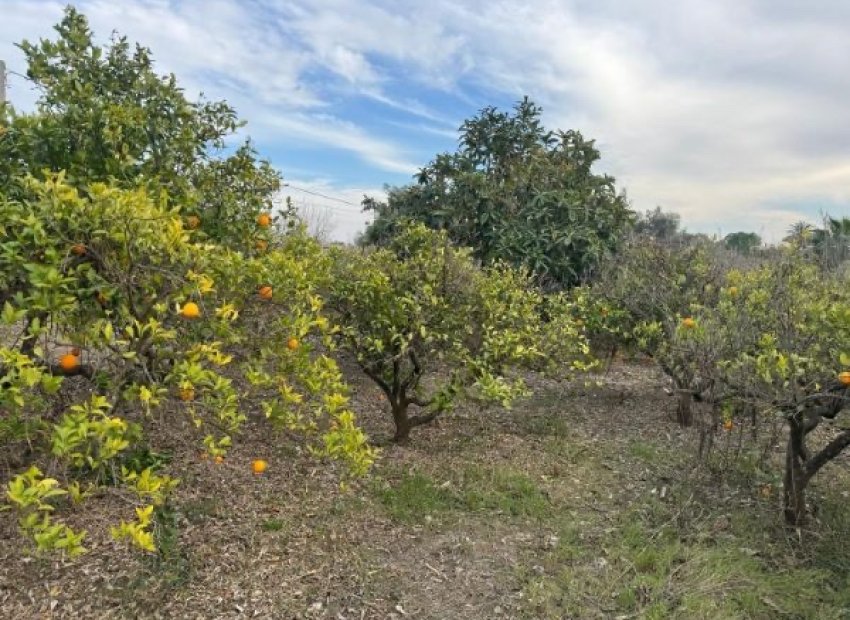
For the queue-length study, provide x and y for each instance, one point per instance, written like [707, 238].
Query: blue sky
[732, 113]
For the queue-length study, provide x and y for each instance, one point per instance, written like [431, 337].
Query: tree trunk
[796, 478]
[684, 413]
[402, 423]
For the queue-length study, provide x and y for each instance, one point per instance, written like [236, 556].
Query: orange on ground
[727, 425]
[219, 459]
[79, 249]
[190, 310]
[265, 292]
[69, 362]
[292, 344]
[258, 466]
[264, 220]
[187, 394]
[689, 323]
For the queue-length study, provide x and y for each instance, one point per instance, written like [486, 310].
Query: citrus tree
[656, 290]
[105, 115]
[109, 285]
[426, 324]
[140, 276]
[790, 325]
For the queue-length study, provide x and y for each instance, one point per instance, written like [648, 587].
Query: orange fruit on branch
[264, 220]
[265, 292]
[258, 466]
[844, 377]
[190, 310]
[69, 362]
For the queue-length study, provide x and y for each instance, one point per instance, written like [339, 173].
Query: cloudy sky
[734, 113]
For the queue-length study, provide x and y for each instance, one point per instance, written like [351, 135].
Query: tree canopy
[105, 115]
[516, 192]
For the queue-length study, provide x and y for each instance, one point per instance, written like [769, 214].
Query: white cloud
[732, 113]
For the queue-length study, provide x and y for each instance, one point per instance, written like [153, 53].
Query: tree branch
[829, 452]
[419, 420]
[375, 377]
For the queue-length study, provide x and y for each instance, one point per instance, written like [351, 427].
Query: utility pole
[2, 82]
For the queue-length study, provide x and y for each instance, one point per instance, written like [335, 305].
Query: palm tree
[799, 234]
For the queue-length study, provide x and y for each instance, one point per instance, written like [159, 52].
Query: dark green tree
[742, 242]
[514, 192]
[104, 114]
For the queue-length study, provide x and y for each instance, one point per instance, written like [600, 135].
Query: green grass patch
[273, 525]
[502, 491]
[413, 497]
[487, 491]
[645, 451]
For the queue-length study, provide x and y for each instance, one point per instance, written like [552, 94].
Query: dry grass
[582, 502]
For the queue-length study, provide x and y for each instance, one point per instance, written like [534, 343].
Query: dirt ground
[582, 501]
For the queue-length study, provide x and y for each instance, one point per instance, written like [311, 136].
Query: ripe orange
[192, 222]
[261, 244]
[292, 343]
[258, 466]
[265, 292]
[219, 459]
[727, 425]
[69, 362]
[187, 394]
[264, 220]
[844, 377]
[689, 323]
[190, 310]
[79, 249]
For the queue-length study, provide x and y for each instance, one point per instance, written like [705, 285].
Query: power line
[321, 195]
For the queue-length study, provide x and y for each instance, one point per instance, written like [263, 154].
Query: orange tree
[655, 290]
[789, 323]
[108, 285]
[104, 114]
[426, 324]
[138, 274]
